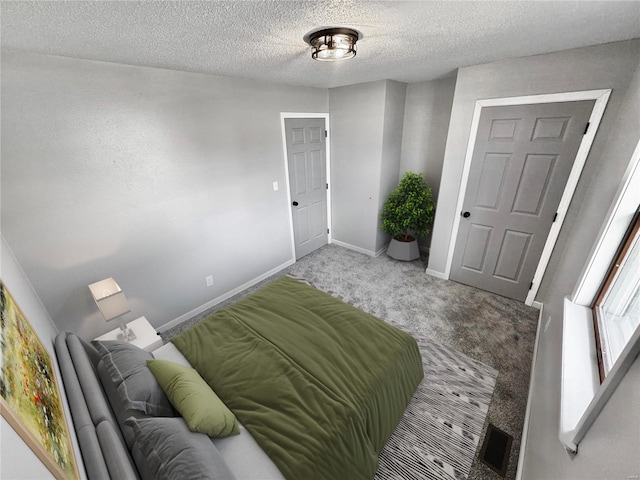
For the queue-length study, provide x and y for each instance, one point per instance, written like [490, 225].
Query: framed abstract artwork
[29, 394]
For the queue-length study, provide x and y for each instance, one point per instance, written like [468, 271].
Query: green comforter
[319, 383]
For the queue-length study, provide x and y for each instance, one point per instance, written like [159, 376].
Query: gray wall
[601, 66]
[394, 107]
[426, 122]
[17, 460]
[154, 177]
[366, 145]
[610, 448]
[357, 113]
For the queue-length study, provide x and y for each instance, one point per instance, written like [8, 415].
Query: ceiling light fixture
[333, 44]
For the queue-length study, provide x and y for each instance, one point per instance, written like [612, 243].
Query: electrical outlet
[209, 280]
[275, 186]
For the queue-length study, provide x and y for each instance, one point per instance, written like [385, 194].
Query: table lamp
[112, 303]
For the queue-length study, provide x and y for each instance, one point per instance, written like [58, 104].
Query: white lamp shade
[109, 298]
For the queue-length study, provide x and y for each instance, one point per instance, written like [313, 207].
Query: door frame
[601, 98]
[283, 117]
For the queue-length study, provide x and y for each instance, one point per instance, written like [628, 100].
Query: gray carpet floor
[491, 329]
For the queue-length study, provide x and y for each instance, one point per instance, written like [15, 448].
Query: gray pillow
[125, 365]
[118, 406]
[165, 448]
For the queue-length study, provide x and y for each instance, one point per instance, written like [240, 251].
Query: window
[614, 256]
[616, 310]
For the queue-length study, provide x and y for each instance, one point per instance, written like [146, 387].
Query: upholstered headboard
[102, 446]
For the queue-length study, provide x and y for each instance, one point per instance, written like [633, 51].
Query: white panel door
[306, 157]
[521, 162]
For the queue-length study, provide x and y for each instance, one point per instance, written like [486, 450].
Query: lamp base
[125, 334]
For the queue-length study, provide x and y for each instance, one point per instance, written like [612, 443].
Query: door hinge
[531, 286]
[325, 134]
[586, 129]
[555, 216]
[327, 186]
[327, 230]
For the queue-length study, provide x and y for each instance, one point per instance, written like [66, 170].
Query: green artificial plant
[409, 209]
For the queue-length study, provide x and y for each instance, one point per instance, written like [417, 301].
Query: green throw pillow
[200, 407]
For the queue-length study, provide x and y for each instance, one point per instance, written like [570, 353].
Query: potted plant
[407, 214]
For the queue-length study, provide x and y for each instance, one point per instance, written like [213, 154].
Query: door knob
[466, 214]
[295, 204]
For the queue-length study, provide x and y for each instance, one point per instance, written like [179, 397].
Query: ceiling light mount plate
[330, 44]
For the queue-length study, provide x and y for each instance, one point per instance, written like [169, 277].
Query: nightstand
[146, 336]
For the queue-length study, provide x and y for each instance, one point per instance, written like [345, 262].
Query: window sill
[580, 377]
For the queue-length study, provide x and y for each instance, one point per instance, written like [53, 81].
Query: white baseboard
[537, 305]
[435, 273]
[358, 249]
[222, 298]
[527, 414]
[369, 252]
[382, 250]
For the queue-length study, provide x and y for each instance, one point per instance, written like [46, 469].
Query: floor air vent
[495, 449]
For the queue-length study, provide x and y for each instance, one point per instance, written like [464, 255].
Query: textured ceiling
[405, 41]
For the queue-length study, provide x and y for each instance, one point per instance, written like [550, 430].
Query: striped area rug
[439, 433]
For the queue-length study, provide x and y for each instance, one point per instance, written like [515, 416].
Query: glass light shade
[333, 44]
[332, 48]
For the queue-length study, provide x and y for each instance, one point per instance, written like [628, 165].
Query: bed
[316, 387]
